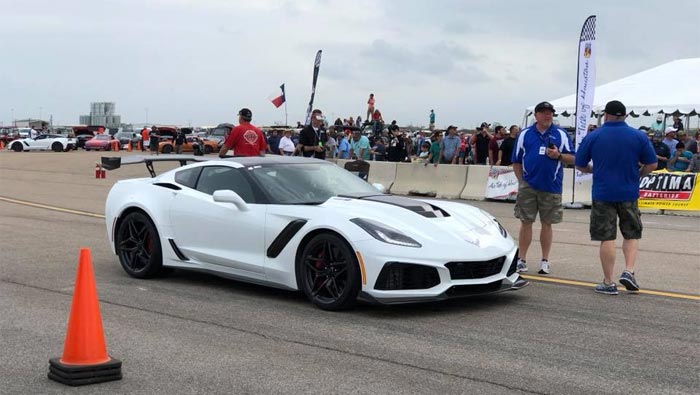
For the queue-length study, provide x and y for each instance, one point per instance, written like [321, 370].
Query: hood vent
[422, 208]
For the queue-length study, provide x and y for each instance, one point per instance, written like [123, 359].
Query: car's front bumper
[448, 284]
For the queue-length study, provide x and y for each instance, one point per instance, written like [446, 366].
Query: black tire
[328, 273]
[208, 149]
[138, 246]
[17, 147]
[87, 149]
[56, 147]
[167, 149]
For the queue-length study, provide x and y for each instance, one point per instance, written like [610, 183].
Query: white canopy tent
[671, 88]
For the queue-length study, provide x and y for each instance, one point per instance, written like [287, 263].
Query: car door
[220, 233]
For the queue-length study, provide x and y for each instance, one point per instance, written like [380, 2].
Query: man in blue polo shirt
[539, 156]
[616, 150]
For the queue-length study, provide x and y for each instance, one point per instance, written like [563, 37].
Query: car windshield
[308, 183]
[102, 137]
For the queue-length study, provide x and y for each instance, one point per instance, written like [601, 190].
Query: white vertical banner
[585, 84]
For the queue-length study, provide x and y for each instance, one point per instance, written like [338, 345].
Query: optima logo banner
[672, 191]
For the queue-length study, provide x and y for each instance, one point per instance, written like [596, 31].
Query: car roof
[272, 159]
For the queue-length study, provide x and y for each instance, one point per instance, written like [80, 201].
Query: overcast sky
[199, 61]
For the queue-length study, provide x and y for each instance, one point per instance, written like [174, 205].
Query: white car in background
[43, 142]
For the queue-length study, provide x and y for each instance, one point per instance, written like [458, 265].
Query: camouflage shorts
[604, 220]
[531, 201]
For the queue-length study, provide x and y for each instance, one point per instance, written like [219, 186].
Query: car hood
[427, 221]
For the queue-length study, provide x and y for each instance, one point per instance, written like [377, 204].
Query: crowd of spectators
[486, 144]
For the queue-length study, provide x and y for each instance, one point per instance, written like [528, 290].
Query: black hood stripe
[422, 208]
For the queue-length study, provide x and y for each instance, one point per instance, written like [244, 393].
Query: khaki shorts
[604, 220]
[531, 201]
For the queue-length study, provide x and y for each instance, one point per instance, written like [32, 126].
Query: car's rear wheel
[138, 246]
[56, 147]
[208, 149]
[329, 272]
[167, 149]
[17, 147]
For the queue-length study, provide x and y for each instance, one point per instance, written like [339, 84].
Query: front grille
[468, 290]
[473, 270]
[397, 275]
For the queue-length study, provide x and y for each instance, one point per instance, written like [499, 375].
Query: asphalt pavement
[190, 333]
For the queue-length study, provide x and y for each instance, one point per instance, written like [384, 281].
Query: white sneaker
[521, 266]
[544, 267]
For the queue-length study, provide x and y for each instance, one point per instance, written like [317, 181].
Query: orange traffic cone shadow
[85, 359]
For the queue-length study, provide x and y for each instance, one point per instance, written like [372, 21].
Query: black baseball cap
[246, 114]
[485, 125]
[615, 108]
[451, 127]
[544, 106]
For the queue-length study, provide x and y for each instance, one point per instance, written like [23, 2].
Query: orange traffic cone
[2, 144]
[85, 359]
[128, 147]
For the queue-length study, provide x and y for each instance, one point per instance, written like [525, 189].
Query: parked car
[82, 138]
[126, 137]
[99, 142]
[219, 134]
[8, 134]
[42, 142]
[192, 144]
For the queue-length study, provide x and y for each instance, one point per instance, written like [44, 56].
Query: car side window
[214, 178]
[188, 177]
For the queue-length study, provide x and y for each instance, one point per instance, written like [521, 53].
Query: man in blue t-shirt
[616, 150]
[539, 156]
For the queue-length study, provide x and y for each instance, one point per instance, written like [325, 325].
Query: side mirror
[381, 188]
[229, 196]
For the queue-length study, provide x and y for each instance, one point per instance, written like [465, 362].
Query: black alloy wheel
[17, 147]
[138, 246]
[56, 147]
[167, 149]
[329, 273]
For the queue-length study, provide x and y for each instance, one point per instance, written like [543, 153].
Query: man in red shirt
[245, 139]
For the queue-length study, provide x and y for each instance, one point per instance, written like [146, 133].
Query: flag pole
[286, 123]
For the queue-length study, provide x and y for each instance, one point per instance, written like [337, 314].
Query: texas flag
[278, 100]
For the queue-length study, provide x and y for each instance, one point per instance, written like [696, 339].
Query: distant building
[102, 114]
[37, 124]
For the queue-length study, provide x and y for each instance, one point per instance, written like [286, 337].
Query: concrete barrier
[475, 187]
[444, 181]
[583, 189]
[383, 173]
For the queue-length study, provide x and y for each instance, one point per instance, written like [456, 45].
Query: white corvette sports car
[43, 142]
[305, 224]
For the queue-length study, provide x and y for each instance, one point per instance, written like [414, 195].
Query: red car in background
[99, 142]
[8, 134]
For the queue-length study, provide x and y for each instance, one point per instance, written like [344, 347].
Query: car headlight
[384, 233]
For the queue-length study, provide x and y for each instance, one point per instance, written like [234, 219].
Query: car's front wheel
[167, 149]
[56, 147]
[138, 246]
[329, 272]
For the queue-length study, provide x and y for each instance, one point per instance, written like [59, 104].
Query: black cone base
[76, 375]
